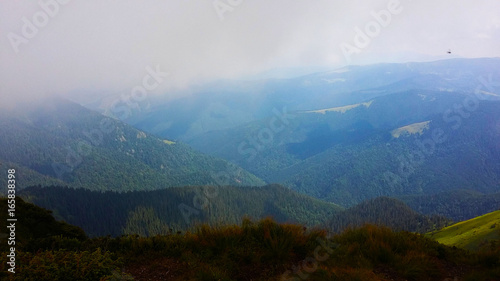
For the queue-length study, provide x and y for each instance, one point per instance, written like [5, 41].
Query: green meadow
[470, 234]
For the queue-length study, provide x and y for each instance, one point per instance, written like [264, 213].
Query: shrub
[63, 265]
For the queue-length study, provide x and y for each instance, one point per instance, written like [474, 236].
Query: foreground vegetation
[254, 250]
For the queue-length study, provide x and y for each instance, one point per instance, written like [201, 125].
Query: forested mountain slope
[415, 142]
[61, 142]
[385, 211]
[458, 205]
[178, 208]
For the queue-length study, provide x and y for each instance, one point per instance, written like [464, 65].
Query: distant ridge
[385, 211]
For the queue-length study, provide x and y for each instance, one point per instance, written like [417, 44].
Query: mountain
[470, 234]
[413, 142]
[62, 143]
[385, 211]
[349, 134]
[176, 209]
[227, 104]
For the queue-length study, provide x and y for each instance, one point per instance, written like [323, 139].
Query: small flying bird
[449, 51]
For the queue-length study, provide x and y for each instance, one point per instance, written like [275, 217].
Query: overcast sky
[106, 46]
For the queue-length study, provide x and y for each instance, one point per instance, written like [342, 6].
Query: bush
[63, 265]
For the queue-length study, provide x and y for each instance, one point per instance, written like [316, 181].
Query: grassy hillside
[470, 234]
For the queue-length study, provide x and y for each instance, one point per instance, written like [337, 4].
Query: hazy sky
[106, 46]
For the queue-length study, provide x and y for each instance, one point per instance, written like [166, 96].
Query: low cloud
[95, 48]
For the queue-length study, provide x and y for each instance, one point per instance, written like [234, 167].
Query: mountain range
[228, 103]
[425, 133]
[416, 129]
[247, 180]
